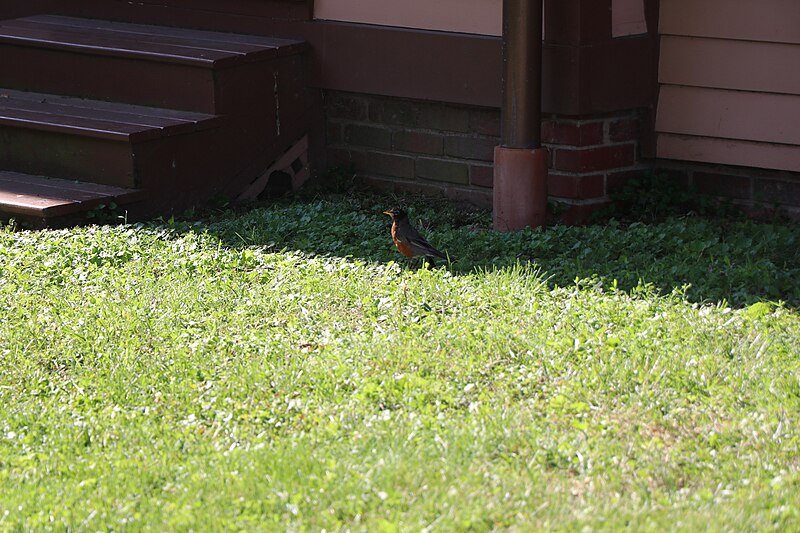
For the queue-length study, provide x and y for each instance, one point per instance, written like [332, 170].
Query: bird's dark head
[396, 213]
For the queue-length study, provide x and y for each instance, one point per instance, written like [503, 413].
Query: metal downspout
[520, 162]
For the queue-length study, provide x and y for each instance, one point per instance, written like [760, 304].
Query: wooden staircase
[153, 119]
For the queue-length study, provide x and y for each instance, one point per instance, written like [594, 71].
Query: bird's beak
[387, 213]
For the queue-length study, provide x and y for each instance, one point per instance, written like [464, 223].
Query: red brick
[478, 197]
[361, 135]
[334, 133]
[345, 106]
[443, 170]
[481, 148]
[572, 133]
[343, 156]
[443, 117]
[485, 122]
[615, 181]
[394, 185]
[626, 129]
[548, 131]
[721, 185]
[394, 111]
[576, 187]
[389, 164]
[783, 192]
[770, 213]
[481, 175]
[418, 142]
[576, 215]
[594, 159]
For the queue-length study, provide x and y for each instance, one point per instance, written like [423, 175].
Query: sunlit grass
[276, 369]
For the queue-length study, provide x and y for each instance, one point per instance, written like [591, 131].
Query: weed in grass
[277, 369]
[739, 261]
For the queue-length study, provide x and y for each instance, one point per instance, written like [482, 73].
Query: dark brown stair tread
[83, 103]
[47, 197]
[220, 40]
[97, 119]
[99, 42]
[121, 39]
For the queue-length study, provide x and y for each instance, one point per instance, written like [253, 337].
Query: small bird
[408, 240]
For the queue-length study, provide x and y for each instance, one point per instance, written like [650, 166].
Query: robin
[408, 240]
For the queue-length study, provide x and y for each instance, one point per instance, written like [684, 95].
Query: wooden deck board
[39, 196]
[127, 40]
[115, 107]
[98, 119]
[199, 118]
[222, 42]
[215, 36]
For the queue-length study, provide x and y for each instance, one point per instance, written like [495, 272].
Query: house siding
[465, 16]
[730, 83]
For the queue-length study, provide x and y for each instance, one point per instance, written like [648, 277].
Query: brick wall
[404, 145]
[589, 157]
[401, 145]
[759, 193]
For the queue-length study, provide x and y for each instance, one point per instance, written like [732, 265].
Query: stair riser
[263, 94]
[101, 77]
[251, 105]
[184, 159]
[67, 156]
[179, 162]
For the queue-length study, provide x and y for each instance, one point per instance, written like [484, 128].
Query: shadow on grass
[736, 261]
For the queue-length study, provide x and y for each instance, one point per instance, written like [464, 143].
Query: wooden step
[89, 140]
[97, 118]
[43, 200]
[135, 63]
[184, 115]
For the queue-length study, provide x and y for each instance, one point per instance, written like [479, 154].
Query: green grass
[276, 369]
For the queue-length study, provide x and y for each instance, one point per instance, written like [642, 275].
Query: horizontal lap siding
[740, 153]
[758, 66]
[467, 16]
[724, 114]
[775, 21]
[730, 82]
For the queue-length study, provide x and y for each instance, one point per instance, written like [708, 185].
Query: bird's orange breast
[402, 247]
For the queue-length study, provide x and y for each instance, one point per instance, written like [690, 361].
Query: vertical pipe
[522, 73]
[520, 162]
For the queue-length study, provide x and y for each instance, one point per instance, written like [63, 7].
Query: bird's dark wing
[420, 246]
[423, 246]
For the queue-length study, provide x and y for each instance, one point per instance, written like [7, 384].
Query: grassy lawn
[284, 369]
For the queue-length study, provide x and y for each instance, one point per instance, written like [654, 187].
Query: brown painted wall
[585, 70]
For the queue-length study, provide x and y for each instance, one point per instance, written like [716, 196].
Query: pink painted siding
[730, 82]
[729, 152]
[464, 16]
[723, 114]
[627, 18]
[483, 17]
[702, 62]
[776, 21]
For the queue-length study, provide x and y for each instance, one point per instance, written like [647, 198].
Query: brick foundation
[759, 193]
[585, 155]
[412, 146]
[400, 145]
